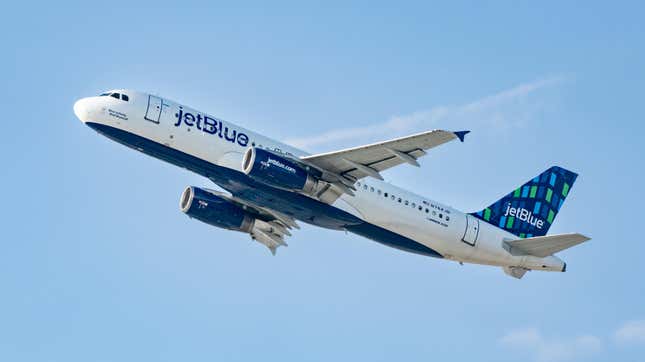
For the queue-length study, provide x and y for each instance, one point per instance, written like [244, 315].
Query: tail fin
[530, 209]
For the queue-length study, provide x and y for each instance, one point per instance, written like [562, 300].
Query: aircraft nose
[82, 109]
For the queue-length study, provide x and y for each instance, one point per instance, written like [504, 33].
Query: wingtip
[461, 135]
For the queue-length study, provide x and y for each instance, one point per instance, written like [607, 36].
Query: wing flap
[543, 246]
[270, 227]
[369, 160]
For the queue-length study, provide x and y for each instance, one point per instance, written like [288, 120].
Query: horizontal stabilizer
[542, 246]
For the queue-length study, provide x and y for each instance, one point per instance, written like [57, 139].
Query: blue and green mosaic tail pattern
[530, 209]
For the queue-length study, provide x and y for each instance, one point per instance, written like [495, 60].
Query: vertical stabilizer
[530, 209]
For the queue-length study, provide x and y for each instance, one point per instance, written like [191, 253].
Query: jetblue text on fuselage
[212, 126]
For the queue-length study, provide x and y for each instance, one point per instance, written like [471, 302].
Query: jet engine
[215, 210]
[279, 171]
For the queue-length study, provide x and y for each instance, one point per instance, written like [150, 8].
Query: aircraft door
[153, 112]
[472, 230]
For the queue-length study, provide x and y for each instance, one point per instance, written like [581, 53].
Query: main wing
[355, 163]
[270, 227]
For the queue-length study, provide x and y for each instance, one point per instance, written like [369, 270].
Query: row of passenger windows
[123, 97]
[402, 201]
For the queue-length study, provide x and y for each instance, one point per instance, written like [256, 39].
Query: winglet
[461, 135]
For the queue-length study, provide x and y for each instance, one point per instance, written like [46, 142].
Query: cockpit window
[121, 96]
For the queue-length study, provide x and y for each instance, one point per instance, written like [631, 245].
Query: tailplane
[530, 209]
[543, 246]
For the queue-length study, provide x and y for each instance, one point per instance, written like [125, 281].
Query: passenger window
[379, 192]
[420, 207]
[115, 95]
[399, 200]
[125, 97]
[414, 205]
[407, 202]
[427, 210]
[371, 189]
[447, 218]
[364, 187]
[385, 194]
[441, 216]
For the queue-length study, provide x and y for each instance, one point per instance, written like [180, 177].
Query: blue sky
[98, 263]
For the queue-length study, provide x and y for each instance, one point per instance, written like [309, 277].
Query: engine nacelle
[214, 210]
[278, 171]
[218, 211]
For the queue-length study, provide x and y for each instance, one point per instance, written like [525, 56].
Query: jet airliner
[270, 186]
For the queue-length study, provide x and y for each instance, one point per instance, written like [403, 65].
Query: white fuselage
[452, 233]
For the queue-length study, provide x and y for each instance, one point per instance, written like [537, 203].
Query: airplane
[270, 186]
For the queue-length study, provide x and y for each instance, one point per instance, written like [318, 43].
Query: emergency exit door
[153, 112]
[472, 230]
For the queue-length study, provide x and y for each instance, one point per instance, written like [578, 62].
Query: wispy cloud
[501, 110]
[631, 332]
[542, 349]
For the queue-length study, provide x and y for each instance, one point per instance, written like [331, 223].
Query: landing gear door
[153, 112]
[472, 230]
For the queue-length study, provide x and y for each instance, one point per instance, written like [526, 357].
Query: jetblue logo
[279, 164]
[524, 215]
[212, 126]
